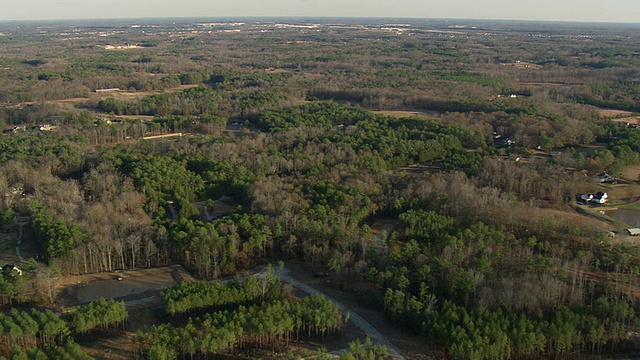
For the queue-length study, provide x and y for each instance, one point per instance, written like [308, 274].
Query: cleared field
[140, 94]
[122, 95]
[543, 84]
[224, 206]
[406, 113]
[611, 113]
[86, 288]
[136, 117]
[631, 120]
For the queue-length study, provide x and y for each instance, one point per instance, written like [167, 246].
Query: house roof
[11, 268]
[634, 231]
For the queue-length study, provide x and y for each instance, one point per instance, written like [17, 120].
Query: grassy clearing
[630, 206]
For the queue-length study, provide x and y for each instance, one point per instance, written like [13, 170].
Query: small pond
[627, 216]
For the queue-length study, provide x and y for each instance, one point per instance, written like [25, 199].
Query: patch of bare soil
[611, 113]
[632, 120]
[91, 287]
[407, 112]
[383, 225]
[120, 347]
[99, 96]
[420, 168]
[222, 207]
[525, 65]
[140, 94]
[543, 84]
[136, 117]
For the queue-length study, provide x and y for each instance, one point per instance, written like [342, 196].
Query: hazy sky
[571, 10]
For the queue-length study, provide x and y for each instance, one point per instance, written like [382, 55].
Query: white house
[12, 269]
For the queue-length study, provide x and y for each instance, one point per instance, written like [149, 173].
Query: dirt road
[377, 338]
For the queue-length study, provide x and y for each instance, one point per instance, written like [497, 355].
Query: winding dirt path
[375, 335]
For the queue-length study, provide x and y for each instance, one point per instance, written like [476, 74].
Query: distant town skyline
[545, 10]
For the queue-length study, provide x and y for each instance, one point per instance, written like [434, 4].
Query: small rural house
[634, 231]
[12, 270]
[597, 198]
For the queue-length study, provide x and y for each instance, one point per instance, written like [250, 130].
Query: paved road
[375, 336]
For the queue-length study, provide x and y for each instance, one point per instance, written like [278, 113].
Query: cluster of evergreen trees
[364, 351]
[70, 350]
[222, 246]
[102, 314]
[45, 335]
[32, 329]
[188, 297]
[57, 239]
[195, 101]
[272, 323]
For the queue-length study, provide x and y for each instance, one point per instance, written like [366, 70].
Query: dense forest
[429, 171]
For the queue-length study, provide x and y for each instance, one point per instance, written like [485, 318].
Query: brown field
[542, 84]
[226, 205]
[140, 94]
[631, 120]
[120, 347]
[383, 225]
[525, 65]
[85, 288]
[610, 113]
[95, 97]
[406, 113]
[140, 289]
[136, 117]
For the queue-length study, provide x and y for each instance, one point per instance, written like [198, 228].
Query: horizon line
[317, 17]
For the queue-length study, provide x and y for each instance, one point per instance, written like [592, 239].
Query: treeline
[222, 246]
[56, 239]
[102, 314]
[60, 153]
[35, 329]
[482, 334]
[196, 101]
[163, 179]
[364, 351]
[70, 350]
[271, 324]
[190, 297]
[41, 334]
[621, 94]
